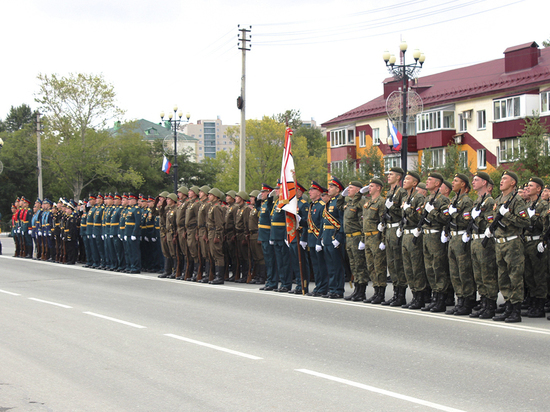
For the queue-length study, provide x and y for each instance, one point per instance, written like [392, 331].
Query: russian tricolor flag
[396, 136]
[166, 165]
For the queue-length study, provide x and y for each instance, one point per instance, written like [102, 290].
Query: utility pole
[241, 104]
[39, 155]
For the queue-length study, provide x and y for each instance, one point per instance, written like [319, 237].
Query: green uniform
[535, 270]
[413, 256]
[353, 227]
[394, 256]
[373, 211]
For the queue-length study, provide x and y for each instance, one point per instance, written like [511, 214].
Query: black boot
[475, 313]
[450, 297]
[193, 277]
[354, 293]
[401, 297]
[362, 287]
[432, 298]
[381, 295]
[489, 311]
[507, 312]
[219, 278]
[369, 300]
[515, 316]
[244, 273]
[528, 304]
[393, 298]
[538, 309]
[206, 274]
[459, 304]
[412, 302]
[419, 302]
[167, 268]
[440, 305]
[466, 307]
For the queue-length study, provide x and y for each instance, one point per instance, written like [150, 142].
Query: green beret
[538, 181]
[415, 175]
[397, 170]
[422, 186]
[183, 189]
[254, 193]
[173, 196]
[512, 175]
[242, 194]
[485, 176]
[436, 175]
[377, 181]
[356, 183]
[448, 184]
[231, 193]
[164, 194]
[205, 189]
[464, 178]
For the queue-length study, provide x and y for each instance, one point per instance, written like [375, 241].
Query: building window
[362, 138]
[342, 137]
[508, 150]
[481, 120]
[545, 102]
[351, 137]
[391, 161]
[463, 159]
[376, 137]
[462, 123]
[435, 158]
[436, 120]
[481, 158]
[507, 108]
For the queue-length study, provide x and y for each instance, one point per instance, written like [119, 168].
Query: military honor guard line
[456, 254]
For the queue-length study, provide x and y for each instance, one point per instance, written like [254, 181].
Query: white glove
[399, 232]
[88, 204]
[110, 236]
[444, 238]
[18, 230]
[318, 248]
[146, 239]
[39, 233]
[429, 207]
[452, 210]
[303, 244]
[361, 246]
[382, 246]
[102, 237]
[133, 238]
[406, 205]
[365, 189]
[154, 239]
[488, 233]
[93, 236]
[50, 233]
[322, 243]
[286, 242]
[298, 218]
[541, 247]
[381, 227]
[271, 242]
[272, 193]
[465, 238]
[120, 237]
[416, 232]
[335, 243]
[503, 210]
[30, 231]
[476, 213]
[389, 203]
[140, 238]
[125, 238]
[345, 192]
[531, 212]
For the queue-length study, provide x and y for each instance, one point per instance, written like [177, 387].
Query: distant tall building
[211, 135]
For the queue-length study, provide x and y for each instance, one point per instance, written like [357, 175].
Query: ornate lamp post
[175, 122]
[404, 72]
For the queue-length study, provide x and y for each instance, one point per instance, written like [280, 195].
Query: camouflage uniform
[413, 257]
[394, 256]
[353, 227]
[373, 211]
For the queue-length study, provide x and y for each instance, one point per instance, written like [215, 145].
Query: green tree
[18, 117]
[291, 118]
[534, 155]
[316, 141]
[546, 43]
[77, 148]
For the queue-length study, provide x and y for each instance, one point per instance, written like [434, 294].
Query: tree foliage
[18, 117]
[290, 118]
[534, 155]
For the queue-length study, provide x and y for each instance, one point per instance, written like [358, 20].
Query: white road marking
[9, 293]
[208, 345]
[51, 303]
[381, 391]
[115, 320]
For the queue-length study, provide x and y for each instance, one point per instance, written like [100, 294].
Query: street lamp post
[404, 72]
[175, 120]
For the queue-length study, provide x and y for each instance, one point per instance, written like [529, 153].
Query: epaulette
[302, 201]
[322, 202]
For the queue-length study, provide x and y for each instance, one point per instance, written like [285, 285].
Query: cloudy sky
[321, 57]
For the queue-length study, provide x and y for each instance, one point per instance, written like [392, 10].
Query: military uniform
[132, 234]
[373, 212]
[171, 234]
[203, 238]
[259, 272]
[191, 216]
[215, 223]
[264, 208]
[295, 248]
[242, 244]
[119, 262]
[277, 237]
[315, 220]
[394, 258]
[230, 237]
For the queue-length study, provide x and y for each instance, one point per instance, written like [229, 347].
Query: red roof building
[481, 108]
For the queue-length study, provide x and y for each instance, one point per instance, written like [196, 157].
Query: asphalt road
[76, 339]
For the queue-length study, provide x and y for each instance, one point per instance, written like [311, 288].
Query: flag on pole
[287, 193]
[166, 165]
[396, 136]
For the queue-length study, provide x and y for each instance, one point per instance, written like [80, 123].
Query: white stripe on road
[208, 345]
[115, 320]
[51, 303]
[9, 293]
[381, 391]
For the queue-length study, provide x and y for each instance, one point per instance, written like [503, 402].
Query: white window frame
[481, 120]
[362, 138]
[438, 157]
[482, 158]
[462, 123]
[545, 102]
[506, 109]
[508, 150]
[391, 161]
[463, 159]
[442, 119]
[344, 136]
[376, 137]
